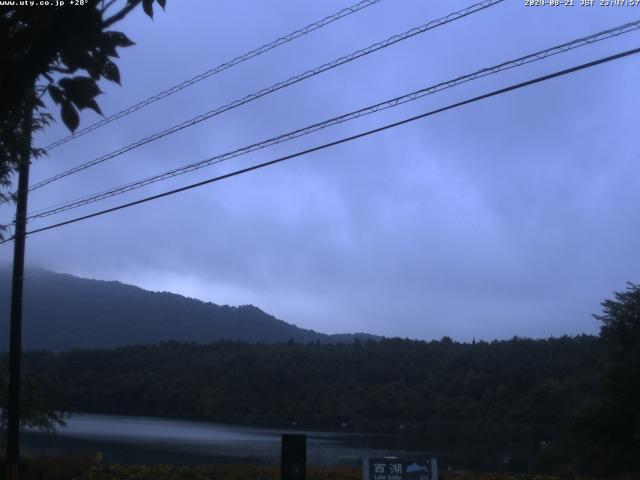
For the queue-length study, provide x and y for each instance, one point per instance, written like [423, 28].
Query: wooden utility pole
[15, 335]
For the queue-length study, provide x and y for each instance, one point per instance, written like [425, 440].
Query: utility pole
[15, 335]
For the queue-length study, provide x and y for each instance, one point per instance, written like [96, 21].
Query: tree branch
[120, 15]
[106, 7]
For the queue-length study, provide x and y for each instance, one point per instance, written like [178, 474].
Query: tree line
[585, 390]
[365, 385]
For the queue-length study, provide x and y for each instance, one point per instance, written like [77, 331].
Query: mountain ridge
[62, 312]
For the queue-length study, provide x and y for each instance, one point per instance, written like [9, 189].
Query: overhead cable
[275, 87]
[529, 58]
[341, 141]
[213, 71]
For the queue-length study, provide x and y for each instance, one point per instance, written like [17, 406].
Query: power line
[343, 140]
[588, 40]
[213, 71]
[277, 86]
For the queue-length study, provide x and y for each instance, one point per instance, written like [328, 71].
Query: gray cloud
[513, 216]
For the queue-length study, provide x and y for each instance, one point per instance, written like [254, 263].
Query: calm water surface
[129, 440]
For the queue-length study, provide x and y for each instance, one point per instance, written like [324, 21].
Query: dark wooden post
[15, 329]
[294, 457]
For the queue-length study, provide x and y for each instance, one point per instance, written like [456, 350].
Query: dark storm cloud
[514, 216]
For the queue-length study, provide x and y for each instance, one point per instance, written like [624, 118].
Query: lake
[137, 440]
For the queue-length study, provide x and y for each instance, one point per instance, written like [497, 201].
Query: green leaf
[79, 88]
[56, 94]
[73, 56]
[108, 45]
[94, 66]
[147, 6]
[81, 91]
[93, 105]
[110, 72]
[69, 116]
[94, 72]
[119, 39]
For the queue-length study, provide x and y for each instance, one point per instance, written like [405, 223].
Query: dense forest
[582, 391]
[365, 385]
[487, 398]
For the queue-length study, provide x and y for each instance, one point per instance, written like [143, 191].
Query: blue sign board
[393, 468]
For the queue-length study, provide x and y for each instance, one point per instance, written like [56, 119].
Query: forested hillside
[63, 312]
[370, 385]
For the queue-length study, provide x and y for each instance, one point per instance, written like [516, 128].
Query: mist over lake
[138, 440]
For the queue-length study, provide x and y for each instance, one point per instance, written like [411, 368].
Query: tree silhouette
[57, 51]
[619, 415]
[43, 407]
[604, 437]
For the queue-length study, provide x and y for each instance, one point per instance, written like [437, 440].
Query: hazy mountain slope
[62, 312]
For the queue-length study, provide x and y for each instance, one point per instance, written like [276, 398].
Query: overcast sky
[516, 215]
